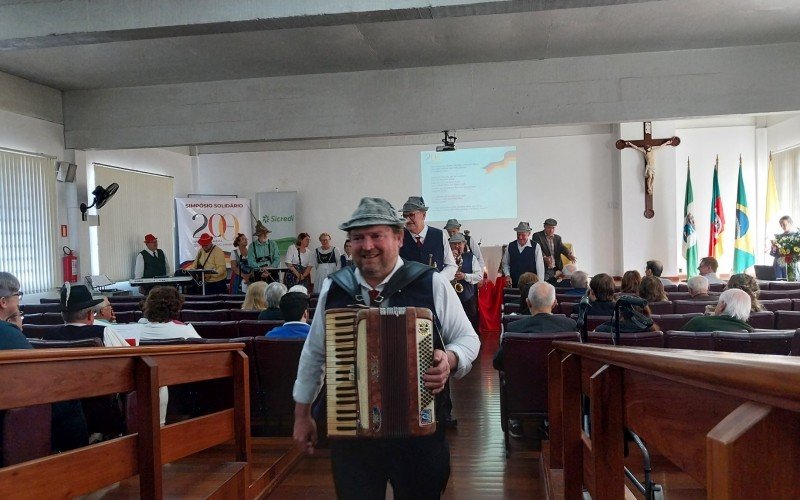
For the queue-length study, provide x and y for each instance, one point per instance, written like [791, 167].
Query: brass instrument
[459, 288]
[431, 263]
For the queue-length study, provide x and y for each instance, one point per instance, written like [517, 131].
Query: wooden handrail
[774, 380]
[731, 421]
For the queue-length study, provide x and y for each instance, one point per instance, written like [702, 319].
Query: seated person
[11, 336]
[273, 293]
[579, 282]
[708, 269]
[652, 290]
[601, 296]
[294, 307]
[633, 319]
[104, 313]
[730, 315]
[541, 300]
[525, 282]
[565, 275]
[161, 311]
[698, 289]
[630, 282]
[77, 309]
[655, 268]
[255, 299]
[750, 286]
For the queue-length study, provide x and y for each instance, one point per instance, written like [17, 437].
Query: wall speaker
[65, 171]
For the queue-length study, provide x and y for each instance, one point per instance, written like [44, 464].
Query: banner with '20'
[222, 218]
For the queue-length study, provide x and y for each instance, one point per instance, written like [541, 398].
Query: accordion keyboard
[340, 357]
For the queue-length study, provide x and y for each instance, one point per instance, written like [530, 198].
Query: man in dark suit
[552, 249]
[541, 300]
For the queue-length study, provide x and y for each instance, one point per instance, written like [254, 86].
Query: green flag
[689, 233]
[743, 254]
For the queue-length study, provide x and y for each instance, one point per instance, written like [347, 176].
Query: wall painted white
[555, 174]
[701, 146]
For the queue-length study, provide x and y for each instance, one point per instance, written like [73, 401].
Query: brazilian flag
[743, 254]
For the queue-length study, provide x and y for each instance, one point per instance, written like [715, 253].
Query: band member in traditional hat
[552, 250]
[522, 255]
[452, 227]
[263, 254]
[468, 275]
[151, 262]
[423, 243]
[417, 467]
[211, 257]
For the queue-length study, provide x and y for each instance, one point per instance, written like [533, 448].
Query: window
[143, 205]
[28, 226]
[786, 165]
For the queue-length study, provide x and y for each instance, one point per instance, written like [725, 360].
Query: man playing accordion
[415, 466]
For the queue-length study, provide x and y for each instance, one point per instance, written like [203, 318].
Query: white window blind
[787, 181]
[28, 232]
[143, 205]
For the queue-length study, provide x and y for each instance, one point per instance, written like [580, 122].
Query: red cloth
[490, 302]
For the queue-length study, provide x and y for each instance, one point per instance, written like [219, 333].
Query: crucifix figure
[647, 146]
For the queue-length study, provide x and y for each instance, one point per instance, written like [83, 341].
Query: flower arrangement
[788, 246]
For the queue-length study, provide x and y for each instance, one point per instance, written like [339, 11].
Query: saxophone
[459, 288]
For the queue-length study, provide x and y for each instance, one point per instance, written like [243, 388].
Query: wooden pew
[36, 377]
[730, 421]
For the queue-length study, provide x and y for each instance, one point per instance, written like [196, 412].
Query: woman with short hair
[299, 260]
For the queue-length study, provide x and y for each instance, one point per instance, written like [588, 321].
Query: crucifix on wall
[647, 146]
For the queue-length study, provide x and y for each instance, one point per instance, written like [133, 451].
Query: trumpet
[458, 287]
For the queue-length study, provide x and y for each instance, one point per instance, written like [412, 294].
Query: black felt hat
[77, 297]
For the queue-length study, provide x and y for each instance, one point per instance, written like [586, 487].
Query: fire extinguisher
[70, 265]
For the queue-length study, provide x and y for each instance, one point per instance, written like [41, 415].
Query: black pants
[216, 287]
[471, 308]
[418, 468]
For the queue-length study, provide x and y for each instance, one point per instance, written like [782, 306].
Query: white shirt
[449, 267]
[138, 268]
[293, 256]
[477, 273]
[145, 330]
[713, 279]
[457, 334]
[476, 251]
[537, 255]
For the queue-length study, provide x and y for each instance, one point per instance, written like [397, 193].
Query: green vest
[154, 266]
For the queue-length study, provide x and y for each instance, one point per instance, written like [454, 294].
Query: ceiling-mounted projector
[449, 142]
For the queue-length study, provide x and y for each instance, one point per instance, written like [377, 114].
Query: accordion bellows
[375, 359]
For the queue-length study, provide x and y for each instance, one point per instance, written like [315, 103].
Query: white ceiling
[539, 33]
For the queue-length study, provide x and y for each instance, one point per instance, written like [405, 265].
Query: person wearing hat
[521, 256]
[417, 466]
[150, 262]
[211, 257]
[552, 250]
[11, 336]
[452, 227]
[423, 243]
[468, 275]
[77, 309]
[262, 255]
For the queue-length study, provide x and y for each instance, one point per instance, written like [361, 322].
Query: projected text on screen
[479, 183]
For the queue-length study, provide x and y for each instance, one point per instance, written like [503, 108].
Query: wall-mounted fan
[101, 197]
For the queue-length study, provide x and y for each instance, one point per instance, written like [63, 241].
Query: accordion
[375, 359]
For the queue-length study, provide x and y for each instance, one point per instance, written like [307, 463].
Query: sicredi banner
[277, 211]
[222, 218]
